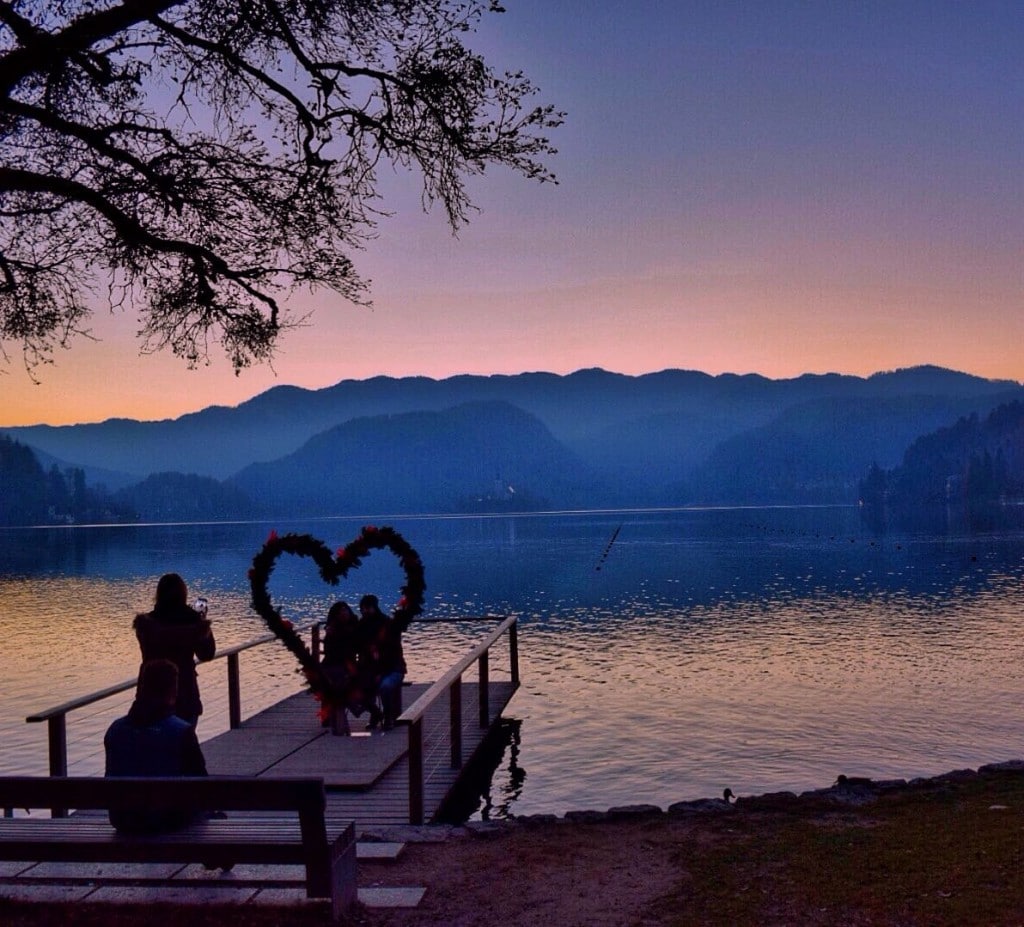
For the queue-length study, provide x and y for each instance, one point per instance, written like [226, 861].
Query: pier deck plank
[366, 774]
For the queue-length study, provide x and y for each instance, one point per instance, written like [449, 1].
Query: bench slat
[203, 793]
[98, 833]
[263, 836]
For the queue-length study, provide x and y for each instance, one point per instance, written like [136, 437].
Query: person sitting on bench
[152, 741]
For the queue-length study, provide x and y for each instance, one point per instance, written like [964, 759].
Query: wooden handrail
[451, 683]
[98, 696]
[68, 707]
[56, 717]
[419, 708]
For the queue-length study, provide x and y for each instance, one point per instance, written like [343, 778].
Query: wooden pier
[380, 778]
[373, 781]
[370, 777]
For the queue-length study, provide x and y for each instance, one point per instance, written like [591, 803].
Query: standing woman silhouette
[175, 631]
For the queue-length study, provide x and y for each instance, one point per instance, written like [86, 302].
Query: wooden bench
[273, 837]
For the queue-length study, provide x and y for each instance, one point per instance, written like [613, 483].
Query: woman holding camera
[175, 631]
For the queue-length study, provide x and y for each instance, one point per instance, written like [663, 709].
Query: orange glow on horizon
[784, 192]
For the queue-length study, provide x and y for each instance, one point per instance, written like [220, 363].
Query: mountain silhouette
[477, 455]
[586, 438]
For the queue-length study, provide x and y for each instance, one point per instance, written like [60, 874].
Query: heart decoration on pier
[332, 567]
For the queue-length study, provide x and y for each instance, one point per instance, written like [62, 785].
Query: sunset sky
[772, 187]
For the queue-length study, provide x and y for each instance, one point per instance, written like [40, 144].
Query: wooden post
[56, 729]
[57, 733]
[513, 653]
[455, 704]
[416, 772]
[234, 693]
[314, 640]
[485, 688]
[344, 893]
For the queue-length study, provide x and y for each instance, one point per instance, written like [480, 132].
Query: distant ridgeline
[974, 461]
[527, 442]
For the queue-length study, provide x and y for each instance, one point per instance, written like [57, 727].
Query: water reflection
[493, 783]
[751, 648]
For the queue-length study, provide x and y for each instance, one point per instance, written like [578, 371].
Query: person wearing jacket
[381, 648]
[175, 631]
[152, 741]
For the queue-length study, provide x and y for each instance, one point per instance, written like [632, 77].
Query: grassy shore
[948, 851]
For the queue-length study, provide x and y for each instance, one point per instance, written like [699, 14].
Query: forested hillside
[185, 497]
[817, 452]
[476, 457]
[31, 495]
[979, 459]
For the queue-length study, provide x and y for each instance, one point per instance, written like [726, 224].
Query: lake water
[664, 655]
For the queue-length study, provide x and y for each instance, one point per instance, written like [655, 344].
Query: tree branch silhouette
[200, 161]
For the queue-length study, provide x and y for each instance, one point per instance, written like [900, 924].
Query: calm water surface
[664, 655]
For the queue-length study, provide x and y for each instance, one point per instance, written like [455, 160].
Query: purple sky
[778, 188]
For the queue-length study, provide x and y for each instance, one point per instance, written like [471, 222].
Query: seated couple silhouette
[363, 663]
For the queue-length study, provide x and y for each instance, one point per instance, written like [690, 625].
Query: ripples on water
[755, 650]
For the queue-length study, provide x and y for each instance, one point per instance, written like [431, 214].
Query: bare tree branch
[202, 159]
[38, 48]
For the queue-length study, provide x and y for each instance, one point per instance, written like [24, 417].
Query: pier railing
[56, 717]
[451, 685]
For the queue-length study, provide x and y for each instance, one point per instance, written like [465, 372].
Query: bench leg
[343, 874]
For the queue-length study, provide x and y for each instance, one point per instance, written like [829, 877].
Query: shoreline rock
[845, 791]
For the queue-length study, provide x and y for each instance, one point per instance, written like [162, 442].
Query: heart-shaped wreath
[332, 566]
